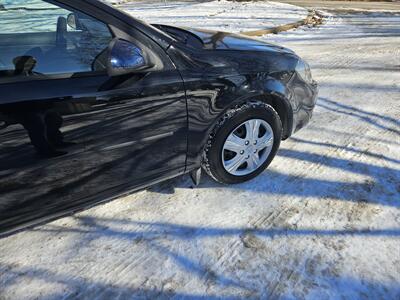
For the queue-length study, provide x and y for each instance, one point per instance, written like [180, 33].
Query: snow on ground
[349, 6]
[218, 15]
[323, 222]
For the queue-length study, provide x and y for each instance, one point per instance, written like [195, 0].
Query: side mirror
[124, 58]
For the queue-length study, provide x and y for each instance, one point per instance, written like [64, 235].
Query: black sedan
[95, 104]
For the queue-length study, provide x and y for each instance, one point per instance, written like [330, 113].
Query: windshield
[182, 35]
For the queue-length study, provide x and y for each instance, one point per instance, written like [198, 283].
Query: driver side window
[40, 38]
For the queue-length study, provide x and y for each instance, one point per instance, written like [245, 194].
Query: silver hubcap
[247, 147]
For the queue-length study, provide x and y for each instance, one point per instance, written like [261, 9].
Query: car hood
[219, 40]
[230, 41]
[229, 50]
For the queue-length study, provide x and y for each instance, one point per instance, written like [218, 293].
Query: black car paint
[134, 130]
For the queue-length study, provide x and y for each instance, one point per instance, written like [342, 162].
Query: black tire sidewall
[264, 112]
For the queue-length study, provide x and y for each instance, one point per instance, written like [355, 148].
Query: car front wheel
[243, 143]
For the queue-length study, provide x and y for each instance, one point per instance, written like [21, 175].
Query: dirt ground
[323, 222]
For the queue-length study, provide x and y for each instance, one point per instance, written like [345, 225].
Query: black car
[95, 104]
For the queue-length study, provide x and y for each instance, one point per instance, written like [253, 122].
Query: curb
[314, 18]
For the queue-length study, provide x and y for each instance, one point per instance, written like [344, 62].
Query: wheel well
[281, 108]
[277, 103]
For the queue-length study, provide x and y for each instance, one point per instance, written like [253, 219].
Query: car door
[71, 133]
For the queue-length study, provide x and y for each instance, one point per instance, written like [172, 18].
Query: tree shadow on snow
[373, 119]
[152, 236]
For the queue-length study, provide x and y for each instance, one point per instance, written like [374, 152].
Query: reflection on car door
[68, 141]
[113, 141]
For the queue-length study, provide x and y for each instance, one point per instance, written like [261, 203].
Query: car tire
[230, 160]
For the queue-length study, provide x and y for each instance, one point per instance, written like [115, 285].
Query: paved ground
[323, 222]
